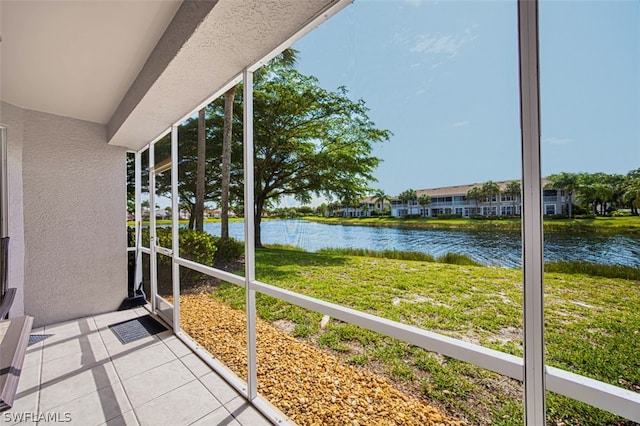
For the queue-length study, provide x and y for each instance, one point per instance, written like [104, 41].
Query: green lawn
[592, 325]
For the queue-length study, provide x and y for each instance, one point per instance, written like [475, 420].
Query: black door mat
[137, 328]
[36, 338]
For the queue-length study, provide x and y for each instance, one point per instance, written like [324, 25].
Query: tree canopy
[310, 141]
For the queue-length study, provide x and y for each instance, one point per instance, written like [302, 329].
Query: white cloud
[557, 141]
[446, 44]
[461, 124]
[420, 92]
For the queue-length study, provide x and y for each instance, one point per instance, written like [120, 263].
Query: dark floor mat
[35, 338]
[137, 328]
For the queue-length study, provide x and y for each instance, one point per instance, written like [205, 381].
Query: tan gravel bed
[308, 385]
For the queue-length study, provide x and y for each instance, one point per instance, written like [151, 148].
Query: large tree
[309, 141]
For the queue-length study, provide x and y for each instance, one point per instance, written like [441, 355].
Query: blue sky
[443, 77]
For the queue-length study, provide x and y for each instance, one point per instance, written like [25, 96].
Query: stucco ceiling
[76, 58]
[137, 66]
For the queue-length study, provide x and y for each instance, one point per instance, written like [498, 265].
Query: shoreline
[629, 225]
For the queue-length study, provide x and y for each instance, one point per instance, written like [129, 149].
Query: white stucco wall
[74, 212]
[12, 118]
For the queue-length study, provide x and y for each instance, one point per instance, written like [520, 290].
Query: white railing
[599, 394]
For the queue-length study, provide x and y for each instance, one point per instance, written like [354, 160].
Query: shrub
[478, 217]
[386, 254]
[195, 246]
[449, 216]
[131, 236]
[585, 216]
[620, 213]
[228, 251]
[556, 216]
[412, 216]
[457, 259]
[594, 269]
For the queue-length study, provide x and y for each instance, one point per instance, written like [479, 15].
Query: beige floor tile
[222, 390]
[75, 384]
[190, 403]
[176, 345]
[150, 384]
[245, 413]
[70, 329]
[218, 417]
[197, 366]
[84, 344]
[142, 360]
[126, 419]
[95, 408]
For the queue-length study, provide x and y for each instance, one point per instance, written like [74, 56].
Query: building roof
[463, 189]
[457, 189]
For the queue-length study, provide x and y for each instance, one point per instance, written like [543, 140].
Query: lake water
[489, 248]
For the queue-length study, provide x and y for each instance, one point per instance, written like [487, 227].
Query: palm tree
[568, 183]
[225, 179]
[490, 189]
[379, 198]
[424, 200]
[631, 194]
[407, 196]
[476, 195]
[365, 208]
[198, 210]
[513, 190]
[605, 193]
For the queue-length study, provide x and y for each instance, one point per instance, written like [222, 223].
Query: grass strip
[592, 325]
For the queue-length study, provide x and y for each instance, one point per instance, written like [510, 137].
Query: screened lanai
[529, 369]
[204, 50]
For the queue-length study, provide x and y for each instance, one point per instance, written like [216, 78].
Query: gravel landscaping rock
[308, 385]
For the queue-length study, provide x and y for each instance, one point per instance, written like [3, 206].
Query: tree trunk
[199, 207]
[226, 163]
[570, 207]
[257, 220]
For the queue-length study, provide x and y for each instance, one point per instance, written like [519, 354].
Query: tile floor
[83, 375]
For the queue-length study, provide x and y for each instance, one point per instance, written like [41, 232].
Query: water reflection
[489, 248]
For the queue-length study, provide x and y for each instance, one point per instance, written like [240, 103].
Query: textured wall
[12, 118]
[74, 212]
